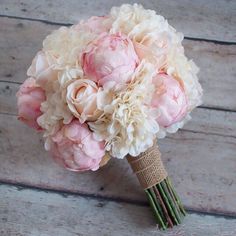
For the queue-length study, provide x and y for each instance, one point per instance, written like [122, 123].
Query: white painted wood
[200, 158]
[22, 39]
[212, 122]
[202, 167]
[214, 19]
[8, 101]
[27, 212]
[217, 72]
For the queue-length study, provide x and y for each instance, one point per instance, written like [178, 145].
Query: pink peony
[170, 99]
[74, 147]
[29, 98]
[110, 58]
[41, 69]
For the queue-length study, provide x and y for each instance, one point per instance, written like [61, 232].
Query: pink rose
[74, 147]
[82, 100]
[41, 69]
[110, 58]
[170, 99]
[29, 98]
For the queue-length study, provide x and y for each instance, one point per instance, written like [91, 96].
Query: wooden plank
[202, 167]
[203, 120]
[217, 72]
[8, 101]
[198, 19]
[212, 122]
[29, 212]
[23, 38]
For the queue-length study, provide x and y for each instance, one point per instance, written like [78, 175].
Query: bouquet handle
[164, 201]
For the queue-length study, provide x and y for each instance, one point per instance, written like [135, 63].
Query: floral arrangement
[109, 87]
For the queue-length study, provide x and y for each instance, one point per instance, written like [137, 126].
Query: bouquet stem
[165, 204]
[164, 201]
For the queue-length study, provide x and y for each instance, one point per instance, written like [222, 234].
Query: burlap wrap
[148, 167]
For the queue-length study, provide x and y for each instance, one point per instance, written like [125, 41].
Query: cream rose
[81, 98]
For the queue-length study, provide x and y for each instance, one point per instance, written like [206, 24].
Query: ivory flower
[74, 147]
[127, 124]
[151, 34]
[82, 100]
[55, 110]
[95, 24]
[66, 45]
[128, 18]
[29, 99]
[110, 58]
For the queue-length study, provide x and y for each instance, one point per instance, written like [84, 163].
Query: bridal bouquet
[109, 87]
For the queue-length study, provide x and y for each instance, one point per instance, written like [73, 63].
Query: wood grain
[25, 212]
[201, 165]
[199, 19]
[23, 38]
[8, 101]
[50, 200]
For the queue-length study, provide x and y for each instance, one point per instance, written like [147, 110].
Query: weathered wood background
[37, 197]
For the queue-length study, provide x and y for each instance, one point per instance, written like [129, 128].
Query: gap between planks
[211, 20]
[28, 212]
[220, 42]
[214, 60]
[203, 187]
[67, 193]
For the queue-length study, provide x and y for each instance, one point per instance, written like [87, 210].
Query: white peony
[151, 34]
[134, 20]
[55, 110]
[127, 125]
[66, 45]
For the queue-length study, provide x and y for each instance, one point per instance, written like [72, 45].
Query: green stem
[179, 210]
[157, 202]
[176, 197]
[155, 210]
[171, 202]
[163, 205]
[167, 203]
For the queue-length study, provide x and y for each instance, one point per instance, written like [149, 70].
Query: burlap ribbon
[148, 167]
